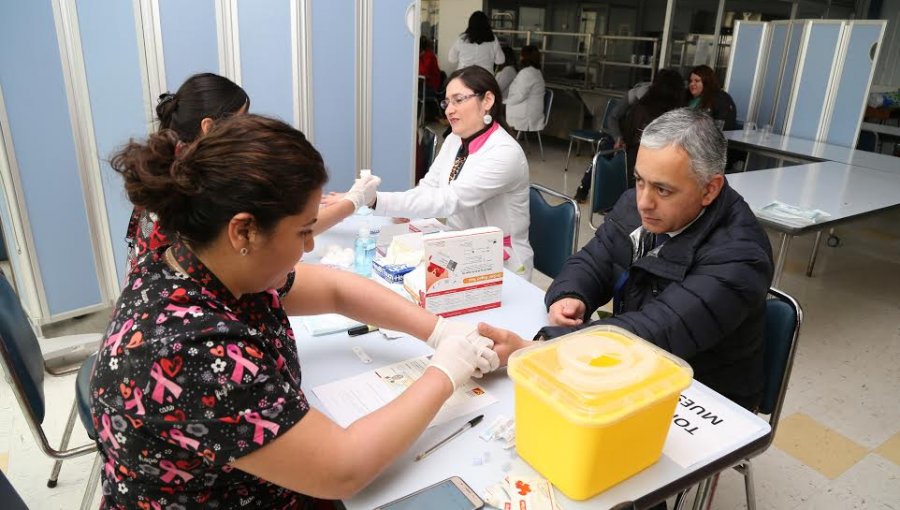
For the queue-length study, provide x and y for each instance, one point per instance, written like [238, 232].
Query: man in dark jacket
[683, 258]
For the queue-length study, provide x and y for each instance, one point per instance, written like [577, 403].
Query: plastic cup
[749, 127]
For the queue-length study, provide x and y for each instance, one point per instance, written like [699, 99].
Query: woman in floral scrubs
[196, 393]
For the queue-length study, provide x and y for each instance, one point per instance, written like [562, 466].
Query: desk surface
[330, 358]
[813, 151]
[843, 191]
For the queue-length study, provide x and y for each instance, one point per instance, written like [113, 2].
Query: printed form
[349, 399]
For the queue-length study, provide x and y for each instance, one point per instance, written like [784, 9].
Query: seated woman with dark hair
[195, 393]
[525, 103]
[705, 93]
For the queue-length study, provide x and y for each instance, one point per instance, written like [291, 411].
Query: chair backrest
[553, 231]
[548, 103]
[429, 147]
[610, 106]
[783, 319]
[8, 495]
[868, 141]
[608, 180]
[20, 352]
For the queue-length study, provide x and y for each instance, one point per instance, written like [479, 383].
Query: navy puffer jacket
[701, 296]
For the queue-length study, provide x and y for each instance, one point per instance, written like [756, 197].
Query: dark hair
[480, 80]
[711, 85]
[200, 96]
[530, 56]
[425, 44]
[509, 57]
[246, 163]
[666, 93]
[479, 29]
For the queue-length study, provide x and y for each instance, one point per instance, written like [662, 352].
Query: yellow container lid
[598, 375]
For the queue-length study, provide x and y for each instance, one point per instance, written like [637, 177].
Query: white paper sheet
[327, 323]
[349, 399]
[701, 428]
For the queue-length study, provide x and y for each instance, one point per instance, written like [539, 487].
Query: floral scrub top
[189, 379]
[143, 236]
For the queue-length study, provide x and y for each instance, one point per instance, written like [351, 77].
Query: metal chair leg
[569, 154]
[711, 493]
[541, 145]
[680, 499]
[748, 485]
[67, 433]
[812, 256]
[702, 491]
[93, 479]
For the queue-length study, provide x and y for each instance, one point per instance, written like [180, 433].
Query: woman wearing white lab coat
[480, 176]
[506, 74]
[477, 45]
[525, 103]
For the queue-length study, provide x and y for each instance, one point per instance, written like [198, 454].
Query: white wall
[452, 21]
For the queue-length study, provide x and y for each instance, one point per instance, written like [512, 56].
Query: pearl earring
[487, 119]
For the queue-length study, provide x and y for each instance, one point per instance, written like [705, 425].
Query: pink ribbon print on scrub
[172, 471]
[162, 384]
[234, 352]
[116, 340]
[184, 441]
[106, 433]
[257, 420]
[136, 402]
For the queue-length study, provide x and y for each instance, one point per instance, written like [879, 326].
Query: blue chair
[609, 179]
[553, 232]
[782, 327]
[8, 495]
[868, 141]
[591, 136]
[548, 104]
[23, 364]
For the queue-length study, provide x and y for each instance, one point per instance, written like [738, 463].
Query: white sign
[703, 426]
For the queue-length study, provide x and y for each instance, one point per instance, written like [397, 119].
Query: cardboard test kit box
[462, 272]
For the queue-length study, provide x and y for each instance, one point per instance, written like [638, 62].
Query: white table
[807, 151]
[329, 358]
[843, 191]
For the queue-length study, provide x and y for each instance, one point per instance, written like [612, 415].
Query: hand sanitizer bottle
[364, 252]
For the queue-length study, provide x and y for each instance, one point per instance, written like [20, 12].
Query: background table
[843, 191]
[799, 150]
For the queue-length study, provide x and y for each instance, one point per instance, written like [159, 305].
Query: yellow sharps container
[594, 407]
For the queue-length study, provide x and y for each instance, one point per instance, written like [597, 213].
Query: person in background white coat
[507, 72]
[480, 176]
[525, 103]
[477, 45]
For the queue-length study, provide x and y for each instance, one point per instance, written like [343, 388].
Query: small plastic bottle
[364, 252]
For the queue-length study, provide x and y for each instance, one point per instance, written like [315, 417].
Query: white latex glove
[459, 359]
[363, 191]
[446, 329]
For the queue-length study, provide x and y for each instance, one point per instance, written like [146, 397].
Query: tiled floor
[838, 445]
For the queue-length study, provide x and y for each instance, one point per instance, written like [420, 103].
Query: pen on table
[362, 330]
[469, 424]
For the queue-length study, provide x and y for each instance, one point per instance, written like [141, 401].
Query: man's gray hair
[696, 133]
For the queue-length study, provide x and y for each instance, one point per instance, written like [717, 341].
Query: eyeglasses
[458, 100]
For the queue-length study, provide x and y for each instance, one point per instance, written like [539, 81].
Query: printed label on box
[463, 272]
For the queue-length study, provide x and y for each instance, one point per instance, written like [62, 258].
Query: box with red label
[462, 272]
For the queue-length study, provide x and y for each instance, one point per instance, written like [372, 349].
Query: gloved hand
[460, 359]
[447, 329]
[363, 191]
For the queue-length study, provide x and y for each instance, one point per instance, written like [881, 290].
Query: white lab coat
[464, 54]
[504, 78]
[525, 104]
[491, 190]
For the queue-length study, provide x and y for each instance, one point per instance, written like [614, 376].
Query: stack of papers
[348, 400]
